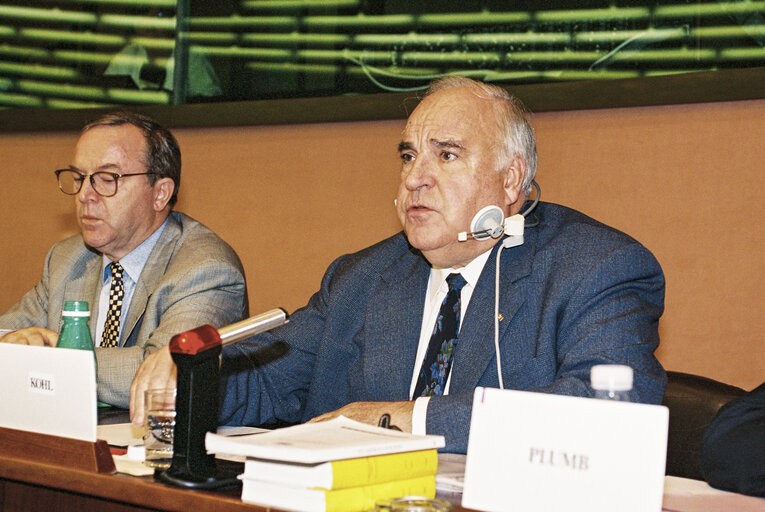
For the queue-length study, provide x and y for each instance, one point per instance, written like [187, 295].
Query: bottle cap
[616, 377]
[75, 308]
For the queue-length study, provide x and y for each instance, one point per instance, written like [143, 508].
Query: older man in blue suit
[390, 332]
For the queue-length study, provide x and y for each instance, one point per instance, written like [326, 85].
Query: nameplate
[49, 391]
[540, 452]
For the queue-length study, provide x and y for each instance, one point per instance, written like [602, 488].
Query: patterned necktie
[443, 341]
[111, 335]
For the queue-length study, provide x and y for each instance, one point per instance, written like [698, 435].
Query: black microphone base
[226, 477]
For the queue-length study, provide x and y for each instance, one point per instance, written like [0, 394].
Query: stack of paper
[335, 465]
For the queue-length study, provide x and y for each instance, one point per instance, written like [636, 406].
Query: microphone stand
[196, 353]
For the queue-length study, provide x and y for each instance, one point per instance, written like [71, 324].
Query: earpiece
[486, 223]
[489, 222]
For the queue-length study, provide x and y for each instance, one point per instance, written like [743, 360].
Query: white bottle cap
[616, 377]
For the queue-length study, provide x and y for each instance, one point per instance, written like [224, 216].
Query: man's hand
[157, 371]
[32, 336]
[370, 412]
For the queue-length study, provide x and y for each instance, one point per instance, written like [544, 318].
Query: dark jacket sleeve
[733, 448]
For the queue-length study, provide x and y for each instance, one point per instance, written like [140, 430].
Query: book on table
[335, 439]
[338, 465]
[341, 474]
[303, 499]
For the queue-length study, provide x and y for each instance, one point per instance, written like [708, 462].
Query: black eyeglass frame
[116, 176]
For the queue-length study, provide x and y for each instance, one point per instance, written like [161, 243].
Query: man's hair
[518, 136]
[163, 156]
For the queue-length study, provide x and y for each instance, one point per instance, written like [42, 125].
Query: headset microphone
[489, 222]
[486, 223]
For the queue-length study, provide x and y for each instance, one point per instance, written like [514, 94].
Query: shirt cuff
[420, 416]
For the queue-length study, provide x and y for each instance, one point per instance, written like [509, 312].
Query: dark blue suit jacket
[733, 447]
[575, 294]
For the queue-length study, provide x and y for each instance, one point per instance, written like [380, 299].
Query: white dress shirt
[436, 291]
[132, 265]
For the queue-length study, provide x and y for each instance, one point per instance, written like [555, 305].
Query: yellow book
[351, 499]
[341, 474]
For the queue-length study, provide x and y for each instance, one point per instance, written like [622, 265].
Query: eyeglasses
[104, 183]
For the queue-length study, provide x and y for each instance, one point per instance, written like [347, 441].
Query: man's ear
[163, 191]
[513, 173]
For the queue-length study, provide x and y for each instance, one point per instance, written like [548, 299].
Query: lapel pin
[500, 317]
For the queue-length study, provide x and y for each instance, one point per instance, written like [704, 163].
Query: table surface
[136, 493]
[49, 487]
[34, 485]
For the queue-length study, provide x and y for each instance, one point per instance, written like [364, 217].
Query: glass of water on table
[160, 424]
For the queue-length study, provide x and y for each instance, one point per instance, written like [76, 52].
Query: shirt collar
[471, 272]
[134, 261]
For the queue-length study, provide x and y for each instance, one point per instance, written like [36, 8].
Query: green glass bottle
[75, 331]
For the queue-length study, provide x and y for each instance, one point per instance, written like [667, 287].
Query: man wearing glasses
[147, 272]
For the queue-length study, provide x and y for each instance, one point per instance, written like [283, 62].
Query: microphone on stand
[196, 354]
[252, 326]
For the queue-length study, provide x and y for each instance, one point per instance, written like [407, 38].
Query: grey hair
[518, 134]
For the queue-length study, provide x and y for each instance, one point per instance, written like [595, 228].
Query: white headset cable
[496, 286]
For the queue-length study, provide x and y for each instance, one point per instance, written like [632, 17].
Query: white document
[450, 477]
[339, 438]
[48, 390]
[539, 452]
[121, 434]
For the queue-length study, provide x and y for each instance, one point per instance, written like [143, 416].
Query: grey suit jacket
[575, 294]
[192, 277]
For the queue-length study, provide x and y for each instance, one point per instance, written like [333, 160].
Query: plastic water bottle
[75, 331]
[611, 381]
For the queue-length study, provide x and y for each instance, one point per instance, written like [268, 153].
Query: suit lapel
[87, 287]
[476, 346]
[152, 272]
[394, 322]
